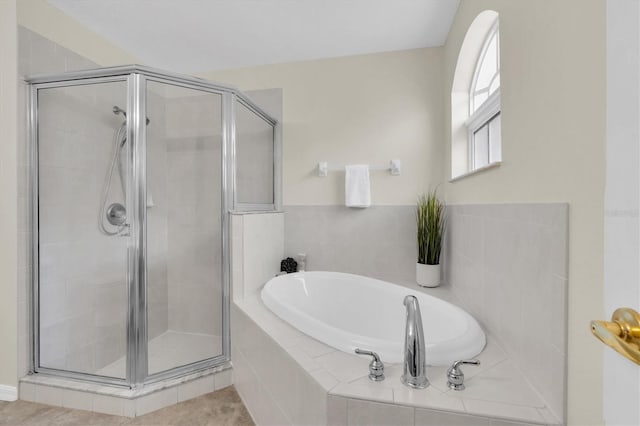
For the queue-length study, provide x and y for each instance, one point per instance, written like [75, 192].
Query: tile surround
[82, 273]
[439, 418]
[256, 250]
[270, 382]
[505, 395]
[377, 242]
[38, 55]
[499, 392]
[518, 253]
[365, 413]
[122, 401]
[77, 399]
[192, 167]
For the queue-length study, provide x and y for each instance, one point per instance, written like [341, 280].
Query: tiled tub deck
[286, 377]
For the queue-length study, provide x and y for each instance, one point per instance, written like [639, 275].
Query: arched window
[476, 143]
[484, 105]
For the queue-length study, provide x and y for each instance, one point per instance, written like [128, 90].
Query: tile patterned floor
[223, 407]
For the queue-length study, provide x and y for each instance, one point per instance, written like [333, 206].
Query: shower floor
[171, 349]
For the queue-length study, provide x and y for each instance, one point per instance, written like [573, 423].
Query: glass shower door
[255, 161]
[184, 225]
[132, 173]
[82, 151]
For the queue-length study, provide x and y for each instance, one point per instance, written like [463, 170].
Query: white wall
[622, 224]
[357, 109]
[553, 132]
[9, 194]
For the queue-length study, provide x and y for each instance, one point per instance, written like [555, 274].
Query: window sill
[476, 171]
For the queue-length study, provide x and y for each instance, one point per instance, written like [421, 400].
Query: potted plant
[430, 218]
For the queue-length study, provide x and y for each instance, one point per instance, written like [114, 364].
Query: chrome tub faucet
[414, 347]
[376, 367]
[455, 376]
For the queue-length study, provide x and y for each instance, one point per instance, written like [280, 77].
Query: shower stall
[142, 293]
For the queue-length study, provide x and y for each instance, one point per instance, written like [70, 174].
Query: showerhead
[117, 110]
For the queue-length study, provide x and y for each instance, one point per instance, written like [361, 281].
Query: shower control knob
[117, 214]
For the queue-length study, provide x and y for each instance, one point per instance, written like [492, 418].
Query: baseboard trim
[8, 393]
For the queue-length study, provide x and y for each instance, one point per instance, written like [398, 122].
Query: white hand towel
[356, 186]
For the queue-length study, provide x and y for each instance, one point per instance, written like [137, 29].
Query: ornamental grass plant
[431, 221]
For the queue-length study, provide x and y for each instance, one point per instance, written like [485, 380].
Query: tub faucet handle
[455, 376]
[376, 367]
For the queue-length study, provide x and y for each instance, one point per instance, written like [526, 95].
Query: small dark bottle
[289, 265]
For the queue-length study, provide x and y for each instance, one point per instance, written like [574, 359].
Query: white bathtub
[350, 311]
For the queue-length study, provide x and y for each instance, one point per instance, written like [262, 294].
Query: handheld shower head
[117, 110]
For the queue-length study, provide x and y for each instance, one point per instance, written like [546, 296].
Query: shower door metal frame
[276, 204]
[142, 346]
[137, 348]
[137, 344]
[34, 250]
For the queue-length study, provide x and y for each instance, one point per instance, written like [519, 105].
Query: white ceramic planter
[427, 275]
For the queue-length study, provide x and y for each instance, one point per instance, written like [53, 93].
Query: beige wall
[389, 105]
[46, 20]
[358, 109]
[8, 189]
[553, 129]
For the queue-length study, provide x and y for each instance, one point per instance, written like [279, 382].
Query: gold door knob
[622, 333]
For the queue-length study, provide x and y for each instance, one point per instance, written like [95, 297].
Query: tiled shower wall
[35, 55]
[257, 247]
[507, 265]
[82, 272]
[83, 314]
[184, 222]
[157, 218]
[193, 173]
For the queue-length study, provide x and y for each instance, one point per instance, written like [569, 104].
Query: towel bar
[393, 168]
[622, 333]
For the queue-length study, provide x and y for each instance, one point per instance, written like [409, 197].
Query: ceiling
[205, 35]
